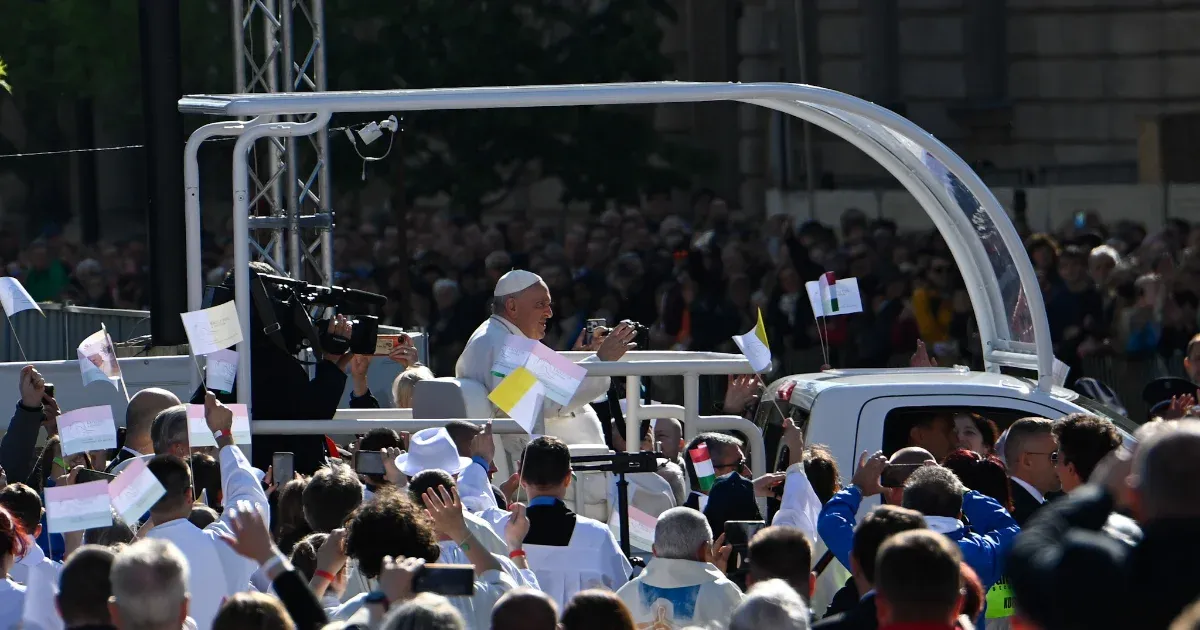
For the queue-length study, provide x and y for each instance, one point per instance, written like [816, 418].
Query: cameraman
[283, 391]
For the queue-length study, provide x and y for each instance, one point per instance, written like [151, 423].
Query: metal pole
[241, 230]
[633, 420]
[325, 181]
[237, 11]
[275, 155]
[290, 209]
[161, 89]
[810, 169]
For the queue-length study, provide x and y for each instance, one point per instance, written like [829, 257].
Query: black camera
[295, 315]
[642, 338]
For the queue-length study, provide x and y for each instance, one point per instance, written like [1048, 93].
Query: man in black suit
[139, 416]
[1065, 573]
[881, 524]
[1030, 452]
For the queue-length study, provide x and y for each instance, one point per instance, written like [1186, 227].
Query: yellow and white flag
[755, 346]
[520, 395]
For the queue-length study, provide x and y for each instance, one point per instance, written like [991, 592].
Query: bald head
[1165, 468]
[669, 432]
[911, 455]
[142, 409]
[525, 609]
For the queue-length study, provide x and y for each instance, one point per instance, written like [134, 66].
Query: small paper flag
[706, 475]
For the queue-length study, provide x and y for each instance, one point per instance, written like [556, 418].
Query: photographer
[283, 391]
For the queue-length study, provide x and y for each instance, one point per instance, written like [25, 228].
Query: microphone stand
[619, 464]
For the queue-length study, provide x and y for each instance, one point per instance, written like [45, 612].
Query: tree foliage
[89, 49]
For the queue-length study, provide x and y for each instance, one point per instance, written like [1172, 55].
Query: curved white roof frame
[998, 274]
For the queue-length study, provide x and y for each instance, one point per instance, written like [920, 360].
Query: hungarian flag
[706, 475]
[829, 298]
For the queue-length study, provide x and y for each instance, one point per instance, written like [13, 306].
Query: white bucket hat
[430, 449]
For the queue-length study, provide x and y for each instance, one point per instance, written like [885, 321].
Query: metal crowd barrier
[56, 336]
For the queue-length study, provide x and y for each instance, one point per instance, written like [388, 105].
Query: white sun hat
[431, 449]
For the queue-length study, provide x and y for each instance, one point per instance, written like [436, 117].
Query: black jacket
[1024, 505]
[19, 443]
[861, 617]
[283, 391]
[302, 605]
[1063, 567]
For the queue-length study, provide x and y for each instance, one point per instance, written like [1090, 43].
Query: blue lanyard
[536, 501]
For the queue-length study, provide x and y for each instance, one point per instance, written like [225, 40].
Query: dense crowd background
[1115, 294]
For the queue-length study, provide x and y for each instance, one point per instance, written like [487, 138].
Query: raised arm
[238, 482]
[17, 446]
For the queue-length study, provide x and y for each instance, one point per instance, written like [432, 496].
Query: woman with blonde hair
[402, 387]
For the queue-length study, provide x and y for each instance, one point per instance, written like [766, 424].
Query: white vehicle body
[847, 410]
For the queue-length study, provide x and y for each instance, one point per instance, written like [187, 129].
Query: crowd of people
[1048, 524]
[1024, 526]
[697, 278]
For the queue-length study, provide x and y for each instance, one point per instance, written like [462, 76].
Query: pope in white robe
[521, 306]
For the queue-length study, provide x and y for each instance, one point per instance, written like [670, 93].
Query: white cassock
[216, 571]
[575, 423]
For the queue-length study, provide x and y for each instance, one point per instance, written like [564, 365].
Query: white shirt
[476, 363]
[1032, 491]
[800, 505]
[216, 570]
[475, 610]
[12, 604]
[592, 559]
[34, 557]
[680, 593]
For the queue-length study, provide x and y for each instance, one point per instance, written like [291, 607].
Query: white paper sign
[1061, 370]
[198, 433]
[15, 298]
[848, 299]
[558, 374]
[98, 359]
[135, 491]
[78, 507]
[87, 429]
[241, 424]
[221, 369]
[512, 355]
[641, 529]
[213, 328]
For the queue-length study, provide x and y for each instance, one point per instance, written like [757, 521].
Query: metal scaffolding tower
[279, 46]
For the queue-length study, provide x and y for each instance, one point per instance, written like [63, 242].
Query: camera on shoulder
[294, 315]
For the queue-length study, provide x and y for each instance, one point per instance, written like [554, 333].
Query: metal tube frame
[882, 134]
[241, 220]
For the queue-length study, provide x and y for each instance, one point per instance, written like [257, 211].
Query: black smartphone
[283, 468]
[739, 533]
[448, 580]
[369, 462]
[894, 475]
[50, 389]
[87, 475]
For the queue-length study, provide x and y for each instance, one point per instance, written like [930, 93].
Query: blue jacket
[984, 545]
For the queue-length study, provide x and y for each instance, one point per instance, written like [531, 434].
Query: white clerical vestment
[216, 570]
[575, 423]
[679, 594]
[592, 559]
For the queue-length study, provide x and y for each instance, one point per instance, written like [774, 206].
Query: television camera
[294, 315]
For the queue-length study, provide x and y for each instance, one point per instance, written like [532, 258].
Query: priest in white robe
[521, 306]
[216, 570]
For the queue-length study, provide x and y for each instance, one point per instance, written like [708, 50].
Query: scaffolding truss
[279, 46]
